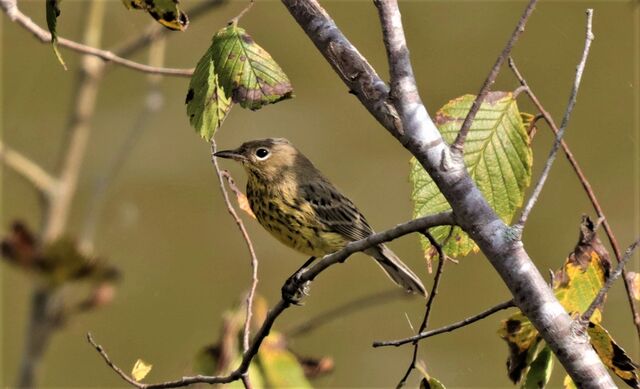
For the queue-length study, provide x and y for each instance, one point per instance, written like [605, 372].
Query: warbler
[300, 207]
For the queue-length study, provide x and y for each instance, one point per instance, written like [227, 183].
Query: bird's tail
[396, 269]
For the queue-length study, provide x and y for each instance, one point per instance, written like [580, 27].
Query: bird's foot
[293, 290]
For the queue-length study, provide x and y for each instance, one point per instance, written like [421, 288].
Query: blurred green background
[184, 263]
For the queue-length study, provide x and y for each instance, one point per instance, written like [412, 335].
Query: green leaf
[497, 155]
[53, 11]
[247, 73]
[207, 104]
[279, 366]
[165, 12]
[583, 273]
[613, 355]
[539, 370]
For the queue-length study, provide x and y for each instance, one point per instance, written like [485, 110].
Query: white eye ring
[262, 154]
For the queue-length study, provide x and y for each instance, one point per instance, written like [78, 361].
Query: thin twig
[112, 365]
[563, 126]
[587, 188]
[458, 144]
[434, 291]
[598, 300]
[304, 276]
[246, 9]
[341, 311]
[247, 239]
[246, 381]
[447, 328]
[44, 36]
[28, 169]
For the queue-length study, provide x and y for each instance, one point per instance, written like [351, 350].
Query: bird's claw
[293, 292]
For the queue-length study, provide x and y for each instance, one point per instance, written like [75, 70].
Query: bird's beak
[230, 154]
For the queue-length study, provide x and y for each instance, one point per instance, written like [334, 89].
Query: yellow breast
[290, 218]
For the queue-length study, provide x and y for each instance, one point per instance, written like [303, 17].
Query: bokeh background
[184, 263]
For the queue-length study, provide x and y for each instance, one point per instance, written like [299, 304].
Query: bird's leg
[292, 292]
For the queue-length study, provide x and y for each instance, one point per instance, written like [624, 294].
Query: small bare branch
[597, 301]
[15, 15]
[563, 126]
[247, 239]
[304, 276]
[434, 291]
[448, 328]
[28, 169]
[246, 9]
[107, 360]
[587, 188]
[458, 144]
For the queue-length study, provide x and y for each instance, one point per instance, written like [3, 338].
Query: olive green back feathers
[301, 208]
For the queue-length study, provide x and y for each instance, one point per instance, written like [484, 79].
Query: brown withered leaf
[522, 339]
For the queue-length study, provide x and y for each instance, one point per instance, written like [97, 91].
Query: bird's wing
[336, 211]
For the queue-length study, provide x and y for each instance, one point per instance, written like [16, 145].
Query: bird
[302, 209]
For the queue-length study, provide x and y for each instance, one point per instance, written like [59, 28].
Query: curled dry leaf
[165, 12]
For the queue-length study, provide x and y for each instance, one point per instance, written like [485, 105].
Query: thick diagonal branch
[500, 244]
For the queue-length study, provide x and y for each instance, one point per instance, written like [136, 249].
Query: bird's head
[268, 158]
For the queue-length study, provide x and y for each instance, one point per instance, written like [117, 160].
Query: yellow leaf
[584, 272]
[522, 339]
[140, 370]
[568, 383]
[613, 355]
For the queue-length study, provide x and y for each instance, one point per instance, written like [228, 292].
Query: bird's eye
[262, 153]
